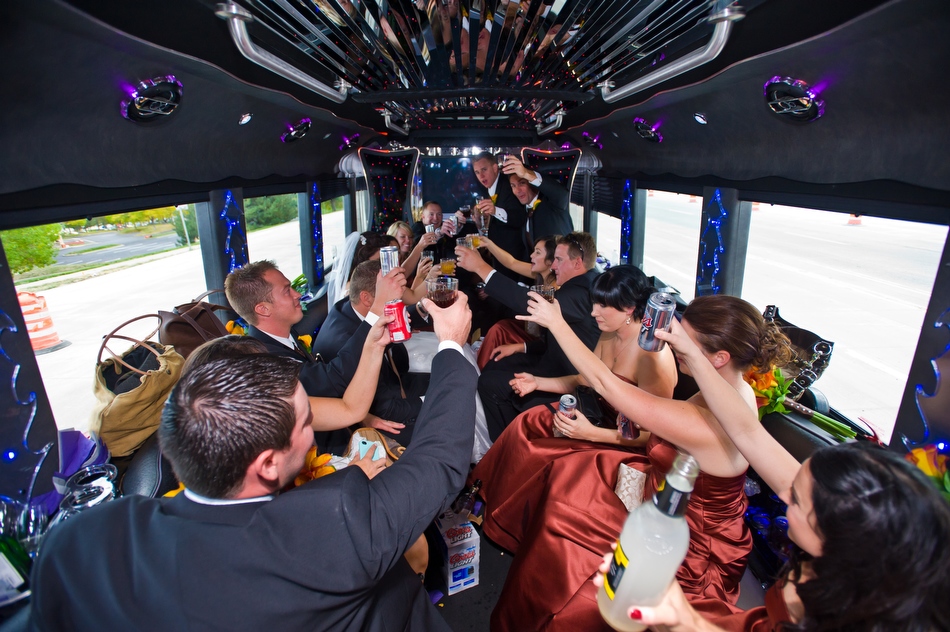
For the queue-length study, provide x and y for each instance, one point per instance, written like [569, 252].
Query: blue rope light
[21, 410]
[626, 222]
[235, 245]
[316, 225]
[709, 265]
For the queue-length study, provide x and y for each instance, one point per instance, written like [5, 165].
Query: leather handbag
[192, 324]
[131, 389]
[589, 404]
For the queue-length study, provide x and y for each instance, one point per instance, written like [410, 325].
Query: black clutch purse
[589, 404]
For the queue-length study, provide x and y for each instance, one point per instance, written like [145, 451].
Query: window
[334, 229]
[863, 283]
[273, 231]
[672, 239]
[607, 237]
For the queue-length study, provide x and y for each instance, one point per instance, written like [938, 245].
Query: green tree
[31, 247]
[189, 214]
[270, 210]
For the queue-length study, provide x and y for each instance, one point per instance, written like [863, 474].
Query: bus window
[273, 231]
[672, 239]
[334, 232]
[862, 282]
[608, 237]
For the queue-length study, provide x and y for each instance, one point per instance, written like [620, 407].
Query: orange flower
[760, 382]
[930, 462]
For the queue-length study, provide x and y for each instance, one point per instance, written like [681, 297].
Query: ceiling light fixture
[296, 132]
[646, 131]
[349, 141]
[793, 100]
[700, 118]
[245, 118]
[153, 100]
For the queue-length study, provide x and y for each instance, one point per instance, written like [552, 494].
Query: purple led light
[646, 131]
[348, 141]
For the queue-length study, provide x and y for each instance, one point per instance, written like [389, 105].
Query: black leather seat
[149, 473]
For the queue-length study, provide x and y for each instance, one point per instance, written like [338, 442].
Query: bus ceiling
[107, 101]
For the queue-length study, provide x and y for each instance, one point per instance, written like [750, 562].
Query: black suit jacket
[552, 216]
[322, 379]
[574, 299]
[325, 556]
[509, 236]
[338, 329]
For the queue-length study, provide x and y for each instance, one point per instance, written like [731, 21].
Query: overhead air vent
[792, 100]
[153, 100]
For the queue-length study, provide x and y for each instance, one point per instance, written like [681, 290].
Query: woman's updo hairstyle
[622, 287]
[731, 324]
[369, 245]
[885, 560]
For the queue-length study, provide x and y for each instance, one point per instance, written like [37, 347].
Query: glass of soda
[442, 290]
[546, 292]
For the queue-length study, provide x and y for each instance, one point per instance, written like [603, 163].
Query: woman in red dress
[560, 518]
[509, 331]
[870, 531]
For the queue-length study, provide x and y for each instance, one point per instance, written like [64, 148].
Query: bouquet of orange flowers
[771, 396]
[929, 460]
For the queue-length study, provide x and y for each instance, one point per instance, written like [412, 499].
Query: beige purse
[629, 489]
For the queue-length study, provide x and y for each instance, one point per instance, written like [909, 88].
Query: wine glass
[31, 527]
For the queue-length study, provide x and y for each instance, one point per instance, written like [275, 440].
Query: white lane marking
[873, 363]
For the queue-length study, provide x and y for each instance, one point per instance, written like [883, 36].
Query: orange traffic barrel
[39, 324]
[854, 220]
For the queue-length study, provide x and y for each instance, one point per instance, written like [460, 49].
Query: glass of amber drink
[448, 266]
[442, 290]
[546, 292]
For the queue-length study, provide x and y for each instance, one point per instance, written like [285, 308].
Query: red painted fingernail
[636, 614]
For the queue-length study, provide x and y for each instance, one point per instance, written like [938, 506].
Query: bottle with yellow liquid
[650, 549]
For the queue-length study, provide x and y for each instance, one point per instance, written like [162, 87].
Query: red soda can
[399, 327]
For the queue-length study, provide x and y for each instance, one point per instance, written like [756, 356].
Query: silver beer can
[566, 407]
[388, 258]
[658, 315]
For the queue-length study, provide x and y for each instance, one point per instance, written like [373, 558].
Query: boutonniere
[535, 203]
[237, 327]
[306, 341]
[494, 198]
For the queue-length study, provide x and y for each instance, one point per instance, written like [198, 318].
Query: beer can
[388, 258]
[566, 407]
[399, 327]
[626, 427]
[658, 315]
[430, 228]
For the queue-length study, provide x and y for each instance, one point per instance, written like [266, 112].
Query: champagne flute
[31, 527]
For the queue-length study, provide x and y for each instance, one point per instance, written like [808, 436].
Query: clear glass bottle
[650, 548]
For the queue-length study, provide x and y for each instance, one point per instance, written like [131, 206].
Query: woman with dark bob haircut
[560, 518]
[871, 532]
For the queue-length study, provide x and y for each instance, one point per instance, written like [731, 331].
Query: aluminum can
[566, 407]
[399, 327]
[626, 427]
[388, 258]
[658, 315]
[430, 228]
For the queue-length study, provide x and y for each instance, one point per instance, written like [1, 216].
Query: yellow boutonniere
[306, 341]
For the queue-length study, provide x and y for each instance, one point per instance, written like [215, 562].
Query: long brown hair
[728, 323]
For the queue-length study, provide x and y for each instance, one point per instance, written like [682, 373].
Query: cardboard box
[460, 547]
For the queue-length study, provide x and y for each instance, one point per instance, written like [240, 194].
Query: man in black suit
[507, 226]
[229, 553]
[398, 402]
[574, 259]
[263, 297]
[547, 203]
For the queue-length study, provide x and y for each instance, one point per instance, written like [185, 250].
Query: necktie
[392, 363]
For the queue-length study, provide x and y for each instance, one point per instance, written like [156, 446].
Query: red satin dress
[504, 332]
[551, 501]
[767, 618]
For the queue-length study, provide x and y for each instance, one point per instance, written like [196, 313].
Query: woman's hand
[541, 312]
[503, 351]
[578, 428]
[673, 610]
[483, 241]
[422, 270]
[370, 467]
[392, 427]
[682, 344]
[523, 384]
[378, 335]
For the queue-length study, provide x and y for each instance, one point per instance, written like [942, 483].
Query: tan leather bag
[190, 325]
[131, 389]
